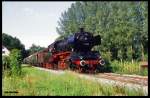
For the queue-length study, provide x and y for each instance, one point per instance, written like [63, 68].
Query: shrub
[5, 62]
[127, 67]
[107, 58]
[15, 62]
[6, 66]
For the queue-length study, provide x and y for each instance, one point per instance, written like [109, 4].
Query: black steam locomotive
[74, 52]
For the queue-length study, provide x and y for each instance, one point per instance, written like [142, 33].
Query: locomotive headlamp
[102, 62]
[82, 63]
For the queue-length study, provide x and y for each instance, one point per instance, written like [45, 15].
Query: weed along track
[125, 81]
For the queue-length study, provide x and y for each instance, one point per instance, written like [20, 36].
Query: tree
[34, 48]
[13, 43]
[118, 23]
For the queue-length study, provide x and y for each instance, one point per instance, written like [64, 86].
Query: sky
[32, 22]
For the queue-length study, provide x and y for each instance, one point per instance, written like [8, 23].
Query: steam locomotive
[74, 52]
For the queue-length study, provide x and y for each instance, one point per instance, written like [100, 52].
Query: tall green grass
[128, 68]
[37, 82]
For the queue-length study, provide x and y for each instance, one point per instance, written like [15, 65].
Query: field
[34, 82]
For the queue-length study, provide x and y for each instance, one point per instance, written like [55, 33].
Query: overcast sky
[32, 22]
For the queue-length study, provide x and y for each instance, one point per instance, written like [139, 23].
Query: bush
[15, 62]
[127, 67]
[145, 57]
[6, 66]
[107, 58]
[5, 62]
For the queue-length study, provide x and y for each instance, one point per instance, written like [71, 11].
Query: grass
[36, 82]
[128, 68]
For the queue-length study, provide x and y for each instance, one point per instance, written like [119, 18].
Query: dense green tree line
[34, 48]
[11, 64]
[13, 43]
[123, 26]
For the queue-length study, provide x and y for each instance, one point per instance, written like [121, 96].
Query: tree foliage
[15, 62]
[13, 43]
[123, 26]
[34, 48]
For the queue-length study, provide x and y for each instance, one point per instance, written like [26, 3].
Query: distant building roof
[5, 51]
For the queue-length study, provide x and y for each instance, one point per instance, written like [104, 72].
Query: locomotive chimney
[81, 29]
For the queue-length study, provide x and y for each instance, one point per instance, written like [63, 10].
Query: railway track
[135, 79]
[131, 82]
